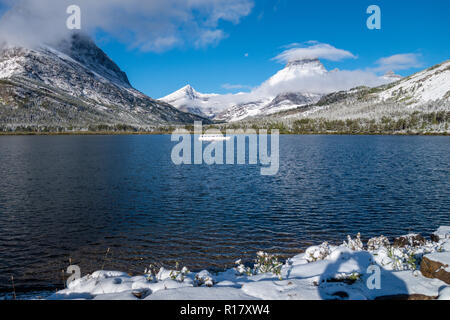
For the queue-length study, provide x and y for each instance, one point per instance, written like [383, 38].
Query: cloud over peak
[313, 50]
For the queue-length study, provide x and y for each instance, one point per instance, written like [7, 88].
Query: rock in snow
[348, 271]
[436, 265]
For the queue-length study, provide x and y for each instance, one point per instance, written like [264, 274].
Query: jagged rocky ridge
[74, 85]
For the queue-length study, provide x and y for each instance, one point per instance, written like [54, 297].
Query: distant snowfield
[322, 272]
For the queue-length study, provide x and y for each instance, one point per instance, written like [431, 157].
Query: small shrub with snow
[406, 258]
[410, 240]
[177, 274]
[356, 244]
[264, 263]
[348, 278]
[316, 253]
[378, 242]
[402, 259]
[204, 278]
[267, 263]
[241, 269]
[405, 254]
[150, 273]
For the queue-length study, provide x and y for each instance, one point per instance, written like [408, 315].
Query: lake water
[73, 197]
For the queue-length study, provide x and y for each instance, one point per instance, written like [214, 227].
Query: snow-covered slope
[428, 85]
[73, 83]
[188, 100]
[244, 110]
[267, 106]
[424, 92]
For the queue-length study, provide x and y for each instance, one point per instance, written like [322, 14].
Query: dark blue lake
[73, 197]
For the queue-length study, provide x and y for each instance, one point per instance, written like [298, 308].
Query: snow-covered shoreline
[353, 270]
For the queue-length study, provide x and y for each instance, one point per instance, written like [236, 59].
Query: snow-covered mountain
[188, 100]
[298, 69]
[73, 83]
[234, 107]
[428, 85]
[267, 104]
[424, 92]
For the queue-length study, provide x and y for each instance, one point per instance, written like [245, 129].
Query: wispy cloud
[155, 25]
[312, 50]
[229, 86]
[402, 61]
[209, 37]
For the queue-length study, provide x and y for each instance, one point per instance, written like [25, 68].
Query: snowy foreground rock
[410, 268]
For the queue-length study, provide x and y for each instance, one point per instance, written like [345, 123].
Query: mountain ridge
[425, 92]
[74, 84]
[276, 94]
[235, 107]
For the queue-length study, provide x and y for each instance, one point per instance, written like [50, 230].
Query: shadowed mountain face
[74, 84]
[82, 49]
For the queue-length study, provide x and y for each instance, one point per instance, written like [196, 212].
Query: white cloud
[402, 61]
[209, 37]
[322, 83]
[151, 25]
[314, 83]
[230, 86]
[312, 50]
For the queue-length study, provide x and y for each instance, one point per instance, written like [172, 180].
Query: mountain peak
[189, 91]
[74, 84]
[392, 76]
[296, 69]
[83, 49]
[303, 62]
[313, 66]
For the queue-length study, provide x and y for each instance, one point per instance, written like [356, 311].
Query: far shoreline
[158, 133]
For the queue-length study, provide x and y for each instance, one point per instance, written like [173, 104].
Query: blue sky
[243, 54]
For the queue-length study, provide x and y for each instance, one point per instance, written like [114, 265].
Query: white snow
[322, 272]
[188, 99]
[10, 67]
[441, 257]
[428, 85]
[443, 232]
